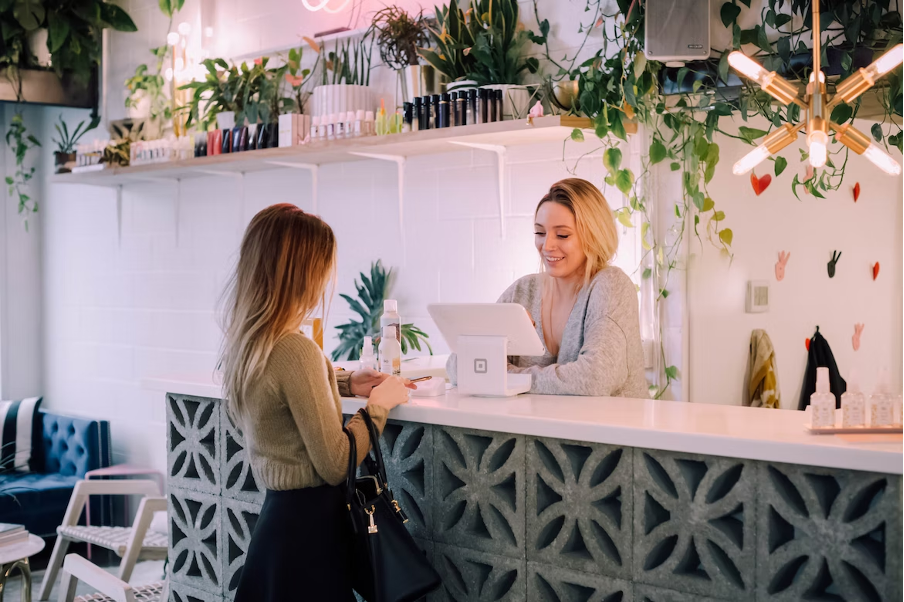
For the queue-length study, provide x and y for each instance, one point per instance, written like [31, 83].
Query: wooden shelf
[505, 133]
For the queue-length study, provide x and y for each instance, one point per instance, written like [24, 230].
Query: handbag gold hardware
[399, 510]
[372, 528]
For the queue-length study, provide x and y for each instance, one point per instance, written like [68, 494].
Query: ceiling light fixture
[818, 108]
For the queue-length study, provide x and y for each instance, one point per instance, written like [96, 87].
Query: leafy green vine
[21, 142]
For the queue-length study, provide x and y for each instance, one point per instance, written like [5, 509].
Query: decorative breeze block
[579, 501]
[196, 541]
[547, 583]
[694, 523]
[236, 476]
[192, 439]
[239, 520]
[471, 576]
[408, 454]
[825, 533]
[179, 592]
[648, 593]
[479, 490]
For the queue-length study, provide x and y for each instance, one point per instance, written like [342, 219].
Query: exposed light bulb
[751, 160]
[184, 28]
[886, 62]
[747, 66]
[172, 38]
[882, 160]
[818, 142]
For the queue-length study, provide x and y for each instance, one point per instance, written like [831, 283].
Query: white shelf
[504, 133]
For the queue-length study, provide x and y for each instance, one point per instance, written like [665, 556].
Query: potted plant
[452, 40]
[345, 78]
[398, 35]
[64, 155]
[498, 51]
[294, 124]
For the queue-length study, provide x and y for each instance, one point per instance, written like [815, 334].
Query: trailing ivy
[21, 142]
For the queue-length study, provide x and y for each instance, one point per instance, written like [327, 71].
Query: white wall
[811, 229]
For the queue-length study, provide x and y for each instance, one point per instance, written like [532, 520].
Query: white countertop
[718, 430]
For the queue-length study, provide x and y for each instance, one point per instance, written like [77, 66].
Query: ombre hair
[593, 218]
[286, 260]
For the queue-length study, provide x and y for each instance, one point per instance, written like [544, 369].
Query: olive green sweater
[292, 419]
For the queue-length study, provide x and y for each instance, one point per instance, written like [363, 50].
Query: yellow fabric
[762, 388]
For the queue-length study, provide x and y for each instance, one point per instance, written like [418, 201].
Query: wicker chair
[130, 543]
[110, 589]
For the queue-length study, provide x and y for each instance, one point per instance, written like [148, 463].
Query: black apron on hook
[820, 356]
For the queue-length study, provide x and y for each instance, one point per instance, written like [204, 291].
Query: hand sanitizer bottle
[881, 402]
[368, 359]
[853, 403]
[391, 317]
[822, 402]
[390, 352]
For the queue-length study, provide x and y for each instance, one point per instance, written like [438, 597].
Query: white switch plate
[757, 296]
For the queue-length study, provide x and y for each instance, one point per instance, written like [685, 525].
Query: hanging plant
[20, 141]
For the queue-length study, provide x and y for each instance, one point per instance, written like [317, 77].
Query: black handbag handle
[352, 467]
[375, 447]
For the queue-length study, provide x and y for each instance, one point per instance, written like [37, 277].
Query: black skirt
[300, 549]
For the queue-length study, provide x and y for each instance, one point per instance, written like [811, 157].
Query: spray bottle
[853, 402]
[390, 352]
[822, 402]
[391, 317]
[881, 402]
[368, 359]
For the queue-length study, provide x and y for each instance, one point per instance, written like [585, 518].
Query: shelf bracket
[399, 160]
[311, 167]
[119, 215]
[500, 166]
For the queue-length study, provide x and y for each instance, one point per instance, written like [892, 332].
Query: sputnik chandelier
[817, 107]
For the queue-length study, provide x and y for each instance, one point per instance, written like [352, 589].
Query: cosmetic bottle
[368, 359]
[896, 413]
[339, 126]
[330, 126]
[822, 402]
[381, 123]
[391, 318]
[881, 402]
[426, 117]
[461, 111]
[226, 141]
[444, 108]
[315, 123]
[498, 98]
[390, 353]
[491, 106]
[853, 403]
[350, 124]
[472, 106]
[408, 118]
[359, 124]
[419, 114]
[369, 128]
[434, 103]
[482, 102]
[453, 109]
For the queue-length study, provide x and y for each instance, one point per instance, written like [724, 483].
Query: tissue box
[293, 128]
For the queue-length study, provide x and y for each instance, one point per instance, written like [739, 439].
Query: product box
[293, 129]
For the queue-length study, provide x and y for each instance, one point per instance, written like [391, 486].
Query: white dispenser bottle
[390, 353]
[853, 403]
[822, 402]
[881, 402]
[368, 359]
[391, 317]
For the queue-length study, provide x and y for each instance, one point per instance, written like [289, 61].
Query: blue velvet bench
[69, 447]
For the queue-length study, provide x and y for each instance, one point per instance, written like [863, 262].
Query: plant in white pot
[64, 155]
[398, 35]
[452, 40]
[345, 78]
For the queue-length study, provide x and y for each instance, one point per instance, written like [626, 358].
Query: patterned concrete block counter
[582, 499]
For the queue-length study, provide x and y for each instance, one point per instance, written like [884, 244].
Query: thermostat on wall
[757, 296]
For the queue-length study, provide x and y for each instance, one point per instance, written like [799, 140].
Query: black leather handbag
[387, 564]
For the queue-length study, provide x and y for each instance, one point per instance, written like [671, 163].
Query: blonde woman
[284, 396]
[584, 309]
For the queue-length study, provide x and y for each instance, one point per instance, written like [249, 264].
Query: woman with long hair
[284, 395]
[584, 309]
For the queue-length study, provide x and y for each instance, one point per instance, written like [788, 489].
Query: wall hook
[855, 340]
[836, 255]
[783, 258]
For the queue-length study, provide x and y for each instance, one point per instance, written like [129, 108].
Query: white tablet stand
[483, 335]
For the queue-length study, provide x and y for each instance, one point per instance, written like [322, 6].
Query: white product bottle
[822, 402]
[315, 129]
[369, 124]
[897, 413]
[853, 403]
[390, 352]
[368, 359]
[391, 317]
[881, 402]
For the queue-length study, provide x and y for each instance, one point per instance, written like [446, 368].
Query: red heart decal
[876, 270]
[807, 344]
[856, 191]
[760, 184]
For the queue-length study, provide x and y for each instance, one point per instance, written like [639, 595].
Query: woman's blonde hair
[286, 259]
[593, 218]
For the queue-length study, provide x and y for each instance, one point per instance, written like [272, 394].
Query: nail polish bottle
[315, 123]
[359, 123]
[369, 124]
[499, 105]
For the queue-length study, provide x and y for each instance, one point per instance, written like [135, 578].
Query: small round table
[16, 557]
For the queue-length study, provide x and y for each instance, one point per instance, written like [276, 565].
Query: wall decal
[855, 340]
[760, 184]
[856, 191]
[783, 258]
[875, 270]
[807, 344]
[836, 255]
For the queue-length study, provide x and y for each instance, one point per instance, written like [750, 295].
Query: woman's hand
[391, 392]
[362, 382]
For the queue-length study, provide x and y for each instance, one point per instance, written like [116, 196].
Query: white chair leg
[143, 518]
[68, 584]
[56, 561]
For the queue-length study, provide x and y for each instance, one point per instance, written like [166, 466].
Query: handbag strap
[375, 446]
[352, 467]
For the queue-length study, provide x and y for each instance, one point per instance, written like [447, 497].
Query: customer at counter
[584, 309]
